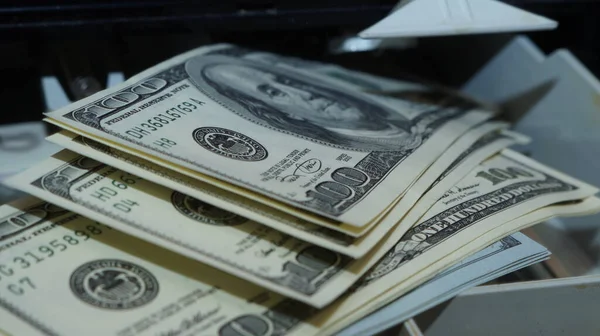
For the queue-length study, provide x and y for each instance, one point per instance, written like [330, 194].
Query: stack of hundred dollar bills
[228, 191]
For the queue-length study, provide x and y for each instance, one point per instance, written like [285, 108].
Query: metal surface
[552, 307]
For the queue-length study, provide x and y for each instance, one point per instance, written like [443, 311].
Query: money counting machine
[55, 52]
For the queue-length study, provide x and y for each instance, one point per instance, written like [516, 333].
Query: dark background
[72, 38]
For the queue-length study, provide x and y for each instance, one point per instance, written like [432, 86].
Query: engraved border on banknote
[332, 236]
[27, 218]
[60, 186]
[377, 165]
[394, 258]
[49, 216]
[483, 141]
[284, 316]
[506, 243]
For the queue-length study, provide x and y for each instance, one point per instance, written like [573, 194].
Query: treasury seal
[203, 212]
[229, 144]
[113, 284]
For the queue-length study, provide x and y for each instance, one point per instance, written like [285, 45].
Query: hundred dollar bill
[229, 201]
[69, 275]
[280, 136]
[492, 138]
[445, 173]
[115, 299]
[450, 168]
[583, 207]
[176, 221]
[501, 189]
[502, 257]
[105, 180]
[205, 192]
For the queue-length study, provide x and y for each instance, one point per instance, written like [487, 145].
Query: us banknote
[193, 228]
[583, 207]
[476, 145]
[119, 285]
[141, 207]
[69, 275]
[502, 257]
[284, 137]
[474, 212]
[447, 171]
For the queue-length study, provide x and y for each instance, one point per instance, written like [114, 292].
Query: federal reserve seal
[203, 212]
[113, 284]
[229, 143]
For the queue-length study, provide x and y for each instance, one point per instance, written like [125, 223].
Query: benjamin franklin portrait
[295, 103]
